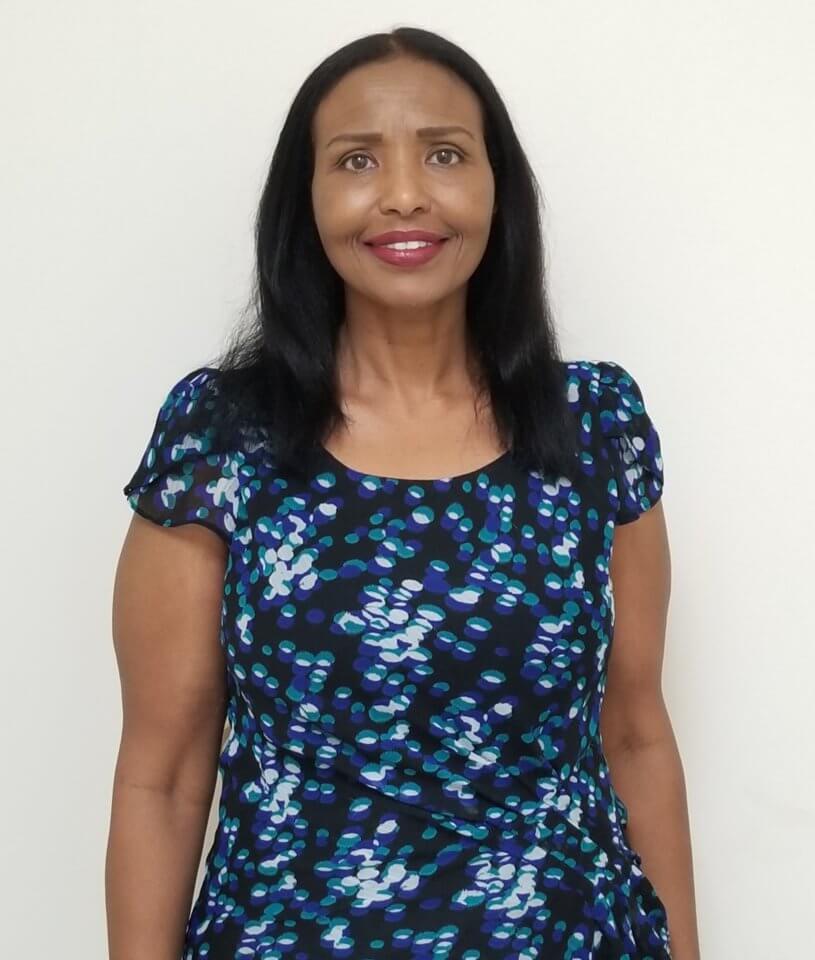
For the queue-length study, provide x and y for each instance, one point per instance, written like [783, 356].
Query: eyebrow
[424, 133]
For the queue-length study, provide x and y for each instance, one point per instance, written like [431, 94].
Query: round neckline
[386, 478]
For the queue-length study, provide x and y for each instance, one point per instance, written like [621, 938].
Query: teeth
[408, 245]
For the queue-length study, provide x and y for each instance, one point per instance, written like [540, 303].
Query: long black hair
[277, 370]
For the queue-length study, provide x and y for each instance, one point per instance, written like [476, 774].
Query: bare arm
[166, 619]
[638, 739]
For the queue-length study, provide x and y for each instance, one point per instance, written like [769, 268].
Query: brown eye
[451, 150]
[351, 157]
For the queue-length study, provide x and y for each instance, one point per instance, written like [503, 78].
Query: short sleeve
[183, 477]
[634, 444]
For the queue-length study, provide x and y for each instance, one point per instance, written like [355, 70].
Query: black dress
[416, 668]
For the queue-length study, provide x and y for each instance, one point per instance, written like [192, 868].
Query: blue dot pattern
[413, 766]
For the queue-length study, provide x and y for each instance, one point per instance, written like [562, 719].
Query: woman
[375, 537]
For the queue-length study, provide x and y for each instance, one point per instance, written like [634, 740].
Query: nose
[403, 188]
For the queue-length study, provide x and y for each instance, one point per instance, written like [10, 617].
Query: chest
[444, 443]
[395, 599]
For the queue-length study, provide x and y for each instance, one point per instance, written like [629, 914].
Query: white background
[674, 146]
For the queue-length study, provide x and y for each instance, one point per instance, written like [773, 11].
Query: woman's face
[439, 182]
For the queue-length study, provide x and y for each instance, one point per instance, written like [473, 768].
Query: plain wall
[674, 146]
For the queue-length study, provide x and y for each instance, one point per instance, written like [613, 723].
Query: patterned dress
[415, 670]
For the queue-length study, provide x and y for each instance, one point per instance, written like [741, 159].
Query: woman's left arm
[638, 739]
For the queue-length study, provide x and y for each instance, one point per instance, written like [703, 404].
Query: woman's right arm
[166, 623]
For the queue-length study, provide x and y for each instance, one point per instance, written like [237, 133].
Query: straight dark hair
[277, 372]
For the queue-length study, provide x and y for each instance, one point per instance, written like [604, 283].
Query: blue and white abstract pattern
[413, 766]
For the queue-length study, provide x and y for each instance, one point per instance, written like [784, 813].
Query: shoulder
[195, 411]
[186, 474]
[194, 392]
[607, 390]
[613, 416]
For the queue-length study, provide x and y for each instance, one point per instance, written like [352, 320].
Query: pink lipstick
[406, 248]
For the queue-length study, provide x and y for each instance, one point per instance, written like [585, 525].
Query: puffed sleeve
[183, 477]
[635, 451]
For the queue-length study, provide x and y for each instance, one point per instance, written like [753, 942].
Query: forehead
[395, 94]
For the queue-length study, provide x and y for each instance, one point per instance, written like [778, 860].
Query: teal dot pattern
[413, 765]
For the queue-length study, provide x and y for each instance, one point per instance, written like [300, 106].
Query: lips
[410, 257]
[402, 236]
[414, 257]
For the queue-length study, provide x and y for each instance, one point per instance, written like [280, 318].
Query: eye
[351, 156]
[458, 153]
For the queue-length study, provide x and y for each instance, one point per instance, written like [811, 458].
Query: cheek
[327, 205]
[340, 217]
[468, 209]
